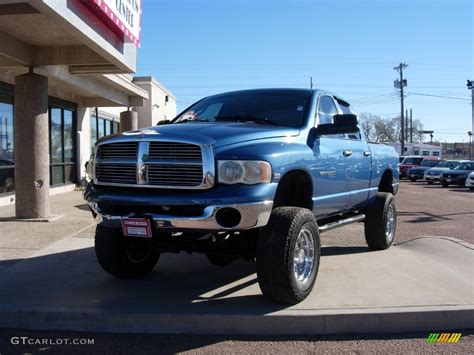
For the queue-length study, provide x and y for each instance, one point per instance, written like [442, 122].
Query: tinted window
[284, 108]
[465, 166]
[326, 110]
[427, 162]
[412, 161]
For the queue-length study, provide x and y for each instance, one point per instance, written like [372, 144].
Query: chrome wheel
[303, 257]
[390, 224]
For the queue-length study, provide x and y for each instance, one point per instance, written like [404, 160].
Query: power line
[441, 96]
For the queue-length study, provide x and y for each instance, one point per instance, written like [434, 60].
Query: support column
[31, 146]
[128, 121]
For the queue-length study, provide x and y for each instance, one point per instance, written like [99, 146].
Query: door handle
[347, 153]
[366, 154]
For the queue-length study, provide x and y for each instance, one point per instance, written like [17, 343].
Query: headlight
[244, 171]
[90, 168]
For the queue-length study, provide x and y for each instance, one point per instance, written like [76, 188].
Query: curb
[355, 321]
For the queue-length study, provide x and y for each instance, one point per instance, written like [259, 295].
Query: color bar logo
[443, 338]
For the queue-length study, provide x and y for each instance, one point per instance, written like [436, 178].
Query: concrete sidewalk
[422, 285]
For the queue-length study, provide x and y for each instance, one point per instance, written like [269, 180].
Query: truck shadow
[179, 284]
[426, 217]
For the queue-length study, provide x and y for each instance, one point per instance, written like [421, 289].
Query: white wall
[156, 108]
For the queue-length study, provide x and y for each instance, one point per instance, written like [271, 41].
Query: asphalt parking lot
[423, 210]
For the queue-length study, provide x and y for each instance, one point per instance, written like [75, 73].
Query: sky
[201, 47]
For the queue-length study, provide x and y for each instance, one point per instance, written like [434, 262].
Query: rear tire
[122, 256]
[430, 182]
[412, 179]
[288, 254]
[443, 184]
[381, 222]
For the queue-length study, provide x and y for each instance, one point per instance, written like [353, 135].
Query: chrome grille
[174, 175]
[116, 173]
[153, 164]
[120, 151]
[174, 151]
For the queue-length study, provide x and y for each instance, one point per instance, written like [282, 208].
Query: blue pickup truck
[253, 174]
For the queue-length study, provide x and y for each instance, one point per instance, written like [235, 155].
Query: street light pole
[470, 144]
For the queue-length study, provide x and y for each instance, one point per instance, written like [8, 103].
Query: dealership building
[65, 81]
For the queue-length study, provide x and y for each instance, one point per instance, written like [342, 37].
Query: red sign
[121, 16]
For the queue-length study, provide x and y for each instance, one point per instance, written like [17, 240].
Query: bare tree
[379, 129]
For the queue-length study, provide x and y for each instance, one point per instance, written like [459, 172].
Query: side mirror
[345, 123]
[162, 122]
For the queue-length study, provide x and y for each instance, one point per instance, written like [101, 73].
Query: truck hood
[217, 134]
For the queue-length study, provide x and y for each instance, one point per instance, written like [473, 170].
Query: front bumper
[470, 182]
[174, 210]
[252, 215]
[432, 177]
[452, 181]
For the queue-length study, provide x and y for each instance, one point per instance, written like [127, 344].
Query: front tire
[122, 256]
[288, 254]
[412, 179]
[381, 222]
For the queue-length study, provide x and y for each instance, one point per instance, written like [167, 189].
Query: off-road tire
[377, 222]
[112, 249]
[275, 254]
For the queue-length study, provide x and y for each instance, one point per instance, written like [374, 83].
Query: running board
[342, 222]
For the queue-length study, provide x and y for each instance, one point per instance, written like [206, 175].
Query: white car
[470, 181]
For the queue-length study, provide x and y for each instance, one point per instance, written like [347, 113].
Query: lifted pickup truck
[257, 174]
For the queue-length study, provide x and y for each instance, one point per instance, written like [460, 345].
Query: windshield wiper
[246, 118]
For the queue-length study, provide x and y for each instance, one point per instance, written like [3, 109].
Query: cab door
[331, 168]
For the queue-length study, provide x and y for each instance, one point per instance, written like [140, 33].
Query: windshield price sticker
[136, 227]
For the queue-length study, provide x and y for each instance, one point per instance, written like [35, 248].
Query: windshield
[465, 166]
[428, 162]
[273, 107]
[448, 164]
[412, 161]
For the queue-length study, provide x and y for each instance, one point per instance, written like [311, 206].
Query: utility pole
[311, 82]
[411, 126]
[400, 84]
[406, 125]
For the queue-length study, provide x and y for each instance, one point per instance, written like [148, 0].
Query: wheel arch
[386, 182]
[295, 189]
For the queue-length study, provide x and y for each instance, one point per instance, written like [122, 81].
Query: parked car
[409, 162]
[432, 175]
[7, 176]
[256, 174]
[458, 175]
[470, 181]
[418, 173]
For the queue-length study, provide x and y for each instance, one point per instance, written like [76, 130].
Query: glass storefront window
[68, 136]
[62, 142]
[56, 132]
[101, 126]
[62, 134]
[7, 171]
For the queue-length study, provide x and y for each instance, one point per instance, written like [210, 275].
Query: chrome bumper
[253, 215]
